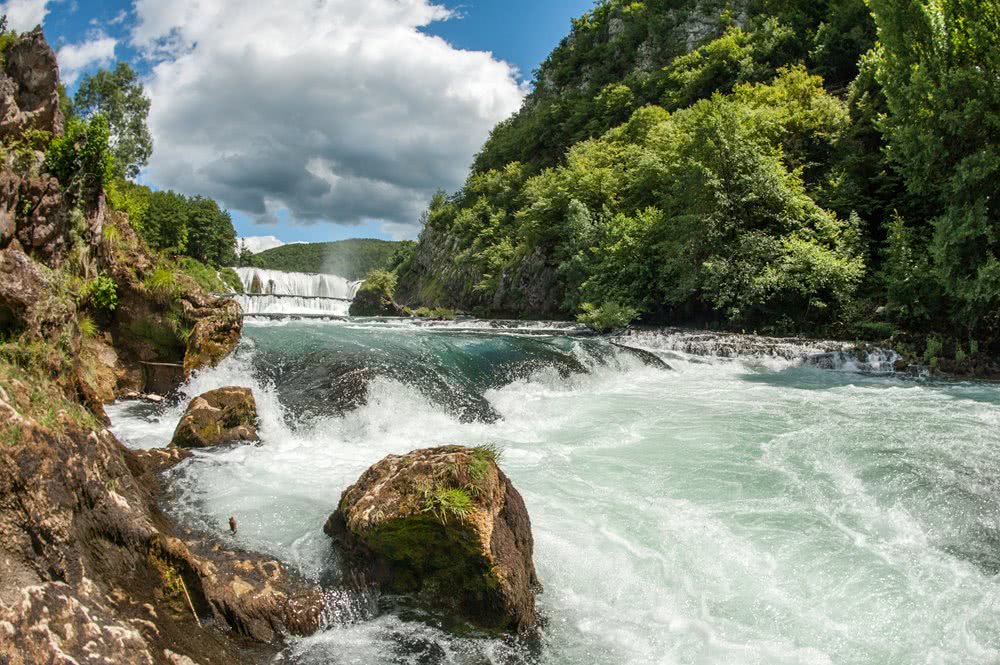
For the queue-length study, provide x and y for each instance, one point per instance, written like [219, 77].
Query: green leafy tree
[939, 63]
[118, 95]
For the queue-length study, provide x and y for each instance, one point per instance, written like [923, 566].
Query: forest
[783, 166]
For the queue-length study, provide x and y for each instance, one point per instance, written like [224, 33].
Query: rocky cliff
[89, 567]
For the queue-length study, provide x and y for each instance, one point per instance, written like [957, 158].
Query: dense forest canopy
[792, 165]
[353, 258]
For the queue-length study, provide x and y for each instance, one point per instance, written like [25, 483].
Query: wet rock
[447, 526]
[214, 336]
[51, 623]
[647, 358]
[218, 416]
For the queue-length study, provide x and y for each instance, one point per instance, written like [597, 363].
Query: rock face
[218, 416]
[28, 303]
[90, 571]
[214, 336]
[29, 91]
[445, 525]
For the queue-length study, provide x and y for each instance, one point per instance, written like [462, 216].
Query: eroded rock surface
[219, 416]
[215, 335]
[447, 526]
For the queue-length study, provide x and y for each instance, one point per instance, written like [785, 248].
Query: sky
[312, 120]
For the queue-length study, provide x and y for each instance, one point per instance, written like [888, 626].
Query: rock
[445, 525]
[218, 416]
[214, 336]
[29, 88]
[372, 303]
[29, 300]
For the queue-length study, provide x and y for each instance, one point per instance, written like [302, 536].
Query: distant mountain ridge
[353, 258]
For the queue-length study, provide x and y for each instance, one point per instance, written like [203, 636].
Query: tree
[118, 95]
[939, 63]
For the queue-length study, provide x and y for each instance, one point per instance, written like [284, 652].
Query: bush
[102, 293]
[81, 159]
[607, 317]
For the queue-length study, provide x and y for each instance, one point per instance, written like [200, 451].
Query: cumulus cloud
[334, 110]
[74, 58]
[258, 244]
[23, 15]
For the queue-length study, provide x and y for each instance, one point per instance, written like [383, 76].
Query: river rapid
[756, 508]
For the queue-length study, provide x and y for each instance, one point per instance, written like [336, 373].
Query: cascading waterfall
[270, 292]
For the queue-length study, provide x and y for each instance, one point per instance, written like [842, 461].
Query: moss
[435, 559]
[166, 340]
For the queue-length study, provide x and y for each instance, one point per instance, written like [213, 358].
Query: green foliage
[381, 282]
[87, 326]
[101, 293]
[118, 96]
[435, 313]
[352, 259]
[607, 317]
[177, 224]
[81, 159]
[447, 502]
[938, 64]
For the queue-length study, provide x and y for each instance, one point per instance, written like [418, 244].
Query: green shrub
[607, 317]
[102, 293]
[81, 159]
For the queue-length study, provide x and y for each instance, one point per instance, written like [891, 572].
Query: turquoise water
[747, 510]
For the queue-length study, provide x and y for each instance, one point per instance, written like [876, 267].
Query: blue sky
[360, 136]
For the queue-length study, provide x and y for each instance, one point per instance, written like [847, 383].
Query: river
[755, 508]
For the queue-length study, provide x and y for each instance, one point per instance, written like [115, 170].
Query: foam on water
[728, 512]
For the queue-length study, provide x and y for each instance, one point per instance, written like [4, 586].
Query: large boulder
[219, 416]
[446, 526]
[29, 88]
[214, 336]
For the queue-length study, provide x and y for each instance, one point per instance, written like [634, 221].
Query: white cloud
[23, 15]
[74, 58]
[258, 244]
[333, 110]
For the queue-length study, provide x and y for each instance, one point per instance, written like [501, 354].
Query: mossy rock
[373, 303]
[446, 526]
[219, 416]
[214, 337]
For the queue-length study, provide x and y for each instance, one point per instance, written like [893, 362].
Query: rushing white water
[727, 512]
[308, 285]
[268, 304]
[276, 292]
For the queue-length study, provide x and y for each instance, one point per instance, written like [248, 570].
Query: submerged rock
[218, 416]
[446, 525]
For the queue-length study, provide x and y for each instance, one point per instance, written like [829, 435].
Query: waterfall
[277, 292]
[307, 285]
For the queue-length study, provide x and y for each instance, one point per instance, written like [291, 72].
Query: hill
[352, 258]
[793, 166]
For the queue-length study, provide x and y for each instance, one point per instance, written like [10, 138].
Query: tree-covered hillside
[790, 165]
[352, 258]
